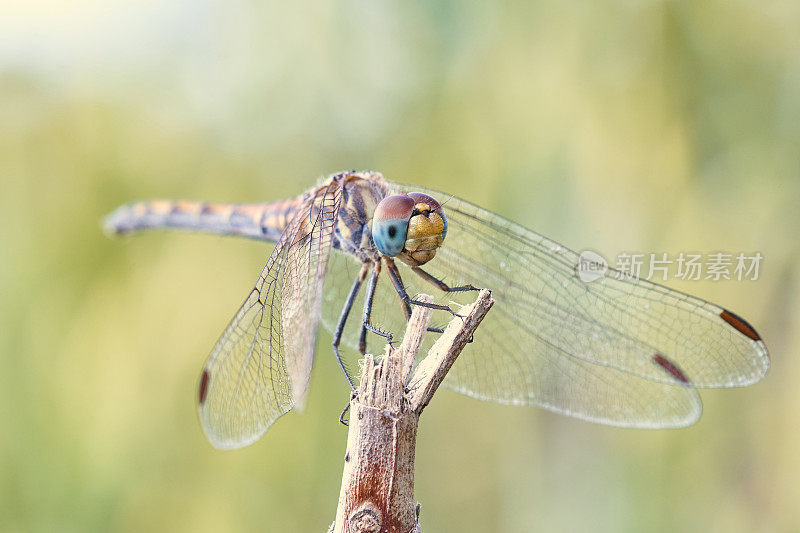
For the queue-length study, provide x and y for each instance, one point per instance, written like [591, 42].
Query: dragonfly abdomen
[264, 221]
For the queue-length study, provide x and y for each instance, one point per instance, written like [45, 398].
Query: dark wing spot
[671, 367]
[740, 324]
[392, 231]
[203, 386]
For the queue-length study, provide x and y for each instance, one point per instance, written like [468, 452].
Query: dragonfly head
[410, 227]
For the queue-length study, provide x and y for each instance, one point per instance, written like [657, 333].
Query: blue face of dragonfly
[410, 227]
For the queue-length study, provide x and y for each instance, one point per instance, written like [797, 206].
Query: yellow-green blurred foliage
[616, 125]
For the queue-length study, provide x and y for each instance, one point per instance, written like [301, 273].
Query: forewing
[578, 347]
[260, 366]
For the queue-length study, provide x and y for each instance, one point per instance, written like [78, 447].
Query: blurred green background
[616, 125]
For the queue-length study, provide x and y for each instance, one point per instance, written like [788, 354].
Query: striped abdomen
[265, 221]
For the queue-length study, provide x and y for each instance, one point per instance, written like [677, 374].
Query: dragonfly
[619, 350]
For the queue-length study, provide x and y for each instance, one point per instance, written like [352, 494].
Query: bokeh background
[616, 125]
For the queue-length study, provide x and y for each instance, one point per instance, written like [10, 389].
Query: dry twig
[377, 492]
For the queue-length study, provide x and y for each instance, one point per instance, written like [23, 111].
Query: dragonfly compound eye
[433, 211]
[390, 224]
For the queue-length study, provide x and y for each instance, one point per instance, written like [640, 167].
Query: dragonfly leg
[348, 305]
[441, 284]
[392, 267]
[346, 409]
[394, 274]
[366, 325]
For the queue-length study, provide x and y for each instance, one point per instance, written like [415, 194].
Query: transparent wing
[577, 348]
[502, 366]
[259, 368]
